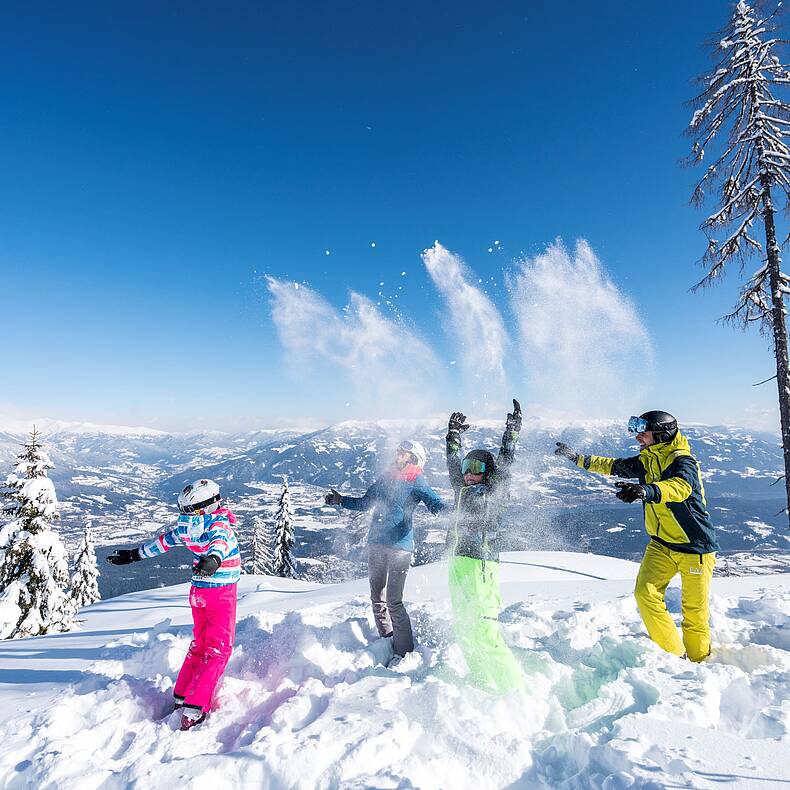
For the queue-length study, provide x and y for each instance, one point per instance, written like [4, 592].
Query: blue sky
[159, 158]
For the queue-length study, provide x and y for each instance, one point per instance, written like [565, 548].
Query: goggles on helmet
[198, 506]
[406, 446]
[637, 425]
[473, 466]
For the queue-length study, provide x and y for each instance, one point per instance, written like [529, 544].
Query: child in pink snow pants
[206, 529]
[214, 616]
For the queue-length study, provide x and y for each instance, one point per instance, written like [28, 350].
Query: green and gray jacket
[676, 513]
[476, 526]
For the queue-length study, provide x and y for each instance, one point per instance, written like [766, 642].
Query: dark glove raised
[124, 556]
[566, 452]
[457, 422]
[513, 419]
[630, 492]
[333, 497]
[207, 565]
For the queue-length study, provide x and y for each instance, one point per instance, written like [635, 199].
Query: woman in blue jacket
[391, 537]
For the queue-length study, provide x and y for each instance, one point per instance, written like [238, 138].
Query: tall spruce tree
[85, 579]
[742, 115]
[262, 540]
[284, 536]
[34, 572]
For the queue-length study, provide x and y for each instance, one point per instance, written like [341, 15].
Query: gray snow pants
[387, 569]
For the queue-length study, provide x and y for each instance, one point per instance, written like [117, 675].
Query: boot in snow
[191, 717]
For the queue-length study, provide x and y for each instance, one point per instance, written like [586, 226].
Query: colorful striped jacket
[209, 534]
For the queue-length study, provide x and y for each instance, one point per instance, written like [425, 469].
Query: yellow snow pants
[659, 566]
[474, 592]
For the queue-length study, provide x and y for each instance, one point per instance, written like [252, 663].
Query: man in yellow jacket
[682, 537]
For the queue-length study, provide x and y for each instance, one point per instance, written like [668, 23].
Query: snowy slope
[308, 701]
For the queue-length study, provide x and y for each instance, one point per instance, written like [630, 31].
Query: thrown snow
[308, 700]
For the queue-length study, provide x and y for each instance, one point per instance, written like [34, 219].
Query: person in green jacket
[682, 537]
[480, 483]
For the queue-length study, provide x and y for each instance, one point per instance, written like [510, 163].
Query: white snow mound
[310, 699]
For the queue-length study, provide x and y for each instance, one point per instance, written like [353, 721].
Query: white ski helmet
[200, 495]
[416, 449]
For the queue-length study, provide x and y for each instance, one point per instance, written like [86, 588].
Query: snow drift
[308, 700]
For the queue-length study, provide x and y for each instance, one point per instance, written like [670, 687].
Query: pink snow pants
[214, 615]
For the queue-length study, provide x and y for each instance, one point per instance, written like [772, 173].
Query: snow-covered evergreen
[742, 109]
[262, 546]
[85, 579]
[284, 536]
[34, 574]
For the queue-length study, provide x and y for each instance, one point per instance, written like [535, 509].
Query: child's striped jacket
[209, 534]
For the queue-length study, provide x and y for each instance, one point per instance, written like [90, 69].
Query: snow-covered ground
[308, 700]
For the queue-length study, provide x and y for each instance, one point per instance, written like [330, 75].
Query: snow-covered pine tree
[85, 579]
[741, 112]
[262, 560]
[284, 536]
[34, 573]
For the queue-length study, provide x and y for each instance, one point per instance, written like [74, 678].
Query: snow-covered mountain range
[125, 481]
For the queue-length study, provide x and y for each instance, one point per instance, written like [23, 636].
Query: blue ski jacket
[393, 499]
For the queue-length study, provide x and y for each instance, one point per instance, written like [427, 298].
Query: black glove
[333, 498]
[513, 420]
[207, 565]
[124, 556]
[630, 492]
[457, 423]
[566, 452]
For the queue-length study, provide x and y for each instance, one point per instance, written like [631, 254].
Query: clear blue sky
[158, 158]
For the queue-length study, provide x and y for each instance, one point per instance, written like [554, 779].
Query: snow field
[312, 699]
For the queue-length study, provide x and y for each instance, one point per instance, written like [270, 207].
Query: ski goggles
[186, 510]
[637, 425]
[406, 447]
[473, 466]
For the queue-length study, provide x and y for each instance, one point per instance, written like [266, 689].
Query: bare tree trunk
[779, 326]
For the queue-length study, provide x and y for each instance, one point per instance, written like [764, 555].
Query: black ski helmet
[487, 459]
[663, 425]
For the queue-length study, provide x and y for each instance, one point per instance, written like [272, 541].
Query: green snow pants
[476, 601]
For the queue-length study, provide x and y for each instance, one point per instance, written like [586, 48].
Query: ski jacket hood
[230, 516]
[675, 507]
[677, 446]
[408, 473]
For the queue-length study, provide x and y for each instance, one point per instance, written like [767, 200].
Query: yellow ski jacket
[675, 508]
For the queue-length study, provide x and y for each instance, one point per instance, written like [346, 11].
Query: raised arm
[358, 503]
[428, 496]
[455, 427]
[159, 545]
[619, 467]
[167, 540]
[507, 449]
